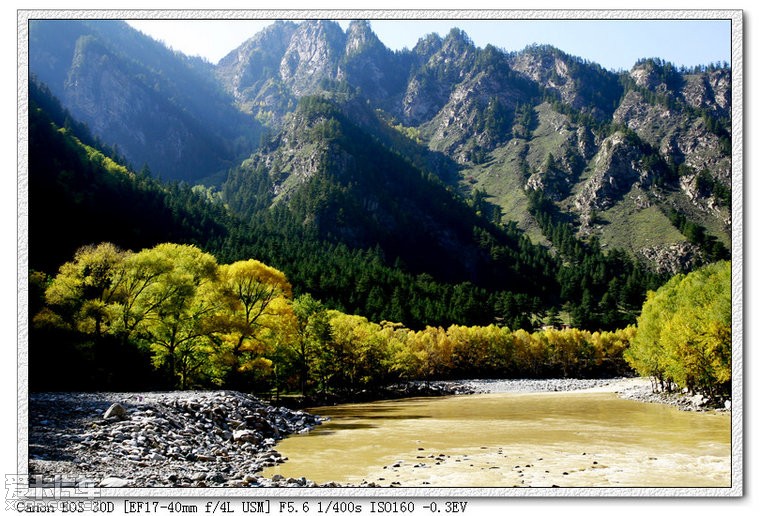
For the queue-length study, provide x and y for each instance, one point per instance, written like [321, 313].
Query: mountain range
[444, 163]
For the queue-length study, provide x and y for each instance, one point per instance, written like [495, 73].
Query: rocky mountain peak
[544, 64]
[428, 45]
[578, 83]
[495, 117]
[455, 49]
[644, 76]
[429, 89]
[457, 39]
[657, 75]
[279, 31]
[359, 37]
[313, 54]
[256, 60]
[159, 107]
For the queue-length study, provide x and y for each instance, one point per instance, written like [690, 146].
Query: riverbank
[160, 439]
[642, 391]
[390, 392]
[222, 438]
[462, 387]
[547, 385]
[635, 388]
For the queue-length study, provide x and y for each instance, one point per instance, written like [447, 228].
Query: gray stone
[113, 482]
[150, 450]
[115, 411]
[216, 477]
[246, 436]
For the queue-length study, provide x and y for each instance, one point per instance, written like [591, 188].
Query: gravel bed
[637, 389]
[536, 385]
[166, 439]
[682, 400]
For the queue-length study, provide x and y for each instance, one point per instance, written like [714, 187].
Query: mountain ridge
[161, 108]
[535, 143]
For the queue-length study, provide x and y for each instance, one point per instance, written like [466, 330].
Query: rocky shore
[224, 438]
[536, 385]
[642, 391]
[637, 389]
[166, 439]
[175, 439]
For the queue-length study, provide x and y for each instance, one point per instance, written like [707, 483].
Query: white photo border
[738, 123]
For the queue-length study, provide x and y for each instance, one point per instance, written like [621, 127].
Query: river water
[570, 439]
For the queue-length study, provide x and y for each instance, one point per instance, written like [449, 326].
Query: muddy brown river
[571, 439]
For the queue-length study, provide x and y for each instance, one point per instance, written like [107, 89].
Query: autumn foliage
[198, 323]
[684, 333]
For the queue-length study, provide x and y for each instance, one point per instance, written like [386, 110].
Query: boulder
[115, 411]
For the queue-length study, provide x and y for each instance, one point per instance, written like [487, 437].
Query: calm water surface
[515, 439]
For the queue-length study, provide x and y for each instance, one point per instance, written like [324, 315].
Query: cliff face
[159, 108]
[684, 118]
[312, 56]
[251, 72]
[615, 169]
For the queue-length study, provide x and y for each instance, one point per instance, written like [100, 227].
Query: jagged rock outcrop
[710, 91]
[576, 82]
[312, 56]
[683, 138]
[546, 66]
[251, 72]
[673, 259]
[660, 112]
[431, 86]
[256, 60]
[616, 168]
[370, 66]
[479, 112]
[586, 142]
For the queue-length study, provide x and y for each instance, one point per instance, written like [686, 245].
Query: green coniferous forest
[317, 213]
[181, 290]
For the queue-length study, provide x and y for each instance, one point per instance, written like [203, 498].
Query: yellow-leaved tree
[248, 299]
[312, 335]
[81, 295]
[684, 332]
[173, 307]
